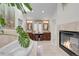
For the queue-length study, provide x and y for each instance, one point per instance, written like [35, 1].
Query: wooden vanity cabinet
[44, 37]
[47, 36]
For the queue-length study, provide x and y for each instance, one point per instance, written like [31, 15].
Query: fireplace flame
[67, 44]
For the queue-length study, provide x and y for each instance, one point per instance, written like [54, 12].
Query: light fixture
[29, 21]
[43, 11]
[45, 21]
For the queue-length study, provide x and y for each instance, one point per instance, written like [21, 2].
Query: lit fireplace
[69, 42]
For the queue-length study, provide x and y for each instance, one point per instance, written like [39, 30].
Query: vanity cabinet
[38, 26]
[47, 36]
[43, 37]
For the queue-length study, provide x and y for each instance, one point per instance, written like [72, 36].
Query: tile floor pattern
[47, 49]
[6, 39]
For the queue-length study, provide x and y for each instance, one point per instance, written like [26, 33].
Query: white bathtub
[14, 49]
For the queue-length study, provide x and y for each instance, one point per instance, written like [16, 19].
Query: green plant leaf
[28, 6]
[12, 4]
[20, 6]
[23, 37]
[2, 21]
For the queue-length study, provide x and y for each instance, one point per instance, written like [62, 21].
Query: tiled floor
[6, 39]
[43, 48]
[47, 49]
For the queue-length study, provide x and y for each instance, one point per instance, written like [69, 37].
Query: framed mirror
[45, 25]
[29, 25]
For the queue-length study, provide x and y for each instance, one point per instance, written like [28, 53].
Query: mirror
[45, 25]
[29, 25]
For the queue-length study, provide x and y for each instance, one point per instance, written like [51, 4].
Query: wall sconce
[29, 21]
[45, 21]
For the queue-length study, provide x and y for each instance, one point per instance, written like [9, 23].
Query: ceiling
[42, 10]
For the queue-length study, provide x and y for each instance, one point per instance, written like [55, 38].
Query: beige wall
[73, 26]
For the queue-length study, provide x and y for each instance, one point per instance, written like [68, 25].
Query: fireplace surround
[69, 42]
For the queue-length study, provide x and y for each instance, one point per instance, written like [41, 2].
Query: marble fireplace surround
[72, 26]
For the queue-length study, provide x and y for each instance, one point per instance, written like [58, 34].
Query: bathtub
[14, 49]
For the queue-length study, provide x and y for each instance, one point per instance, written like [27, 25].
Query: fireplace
[69, 42]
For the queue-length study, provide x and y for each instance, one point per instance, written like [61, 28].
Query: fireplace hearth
[69, 42]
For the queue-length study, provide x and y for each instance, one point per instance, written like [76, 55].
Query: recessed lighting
[43, 11]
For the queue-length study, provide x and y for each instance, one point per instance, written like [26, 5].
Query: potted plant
[23, 37]
[2, 24]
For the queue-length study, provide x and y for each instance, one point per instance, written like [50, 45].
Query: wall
[52, 24]
[69, 14]
[66, 16]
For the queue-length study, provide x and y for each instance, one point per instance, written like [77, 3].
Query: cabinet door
[46, 36]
